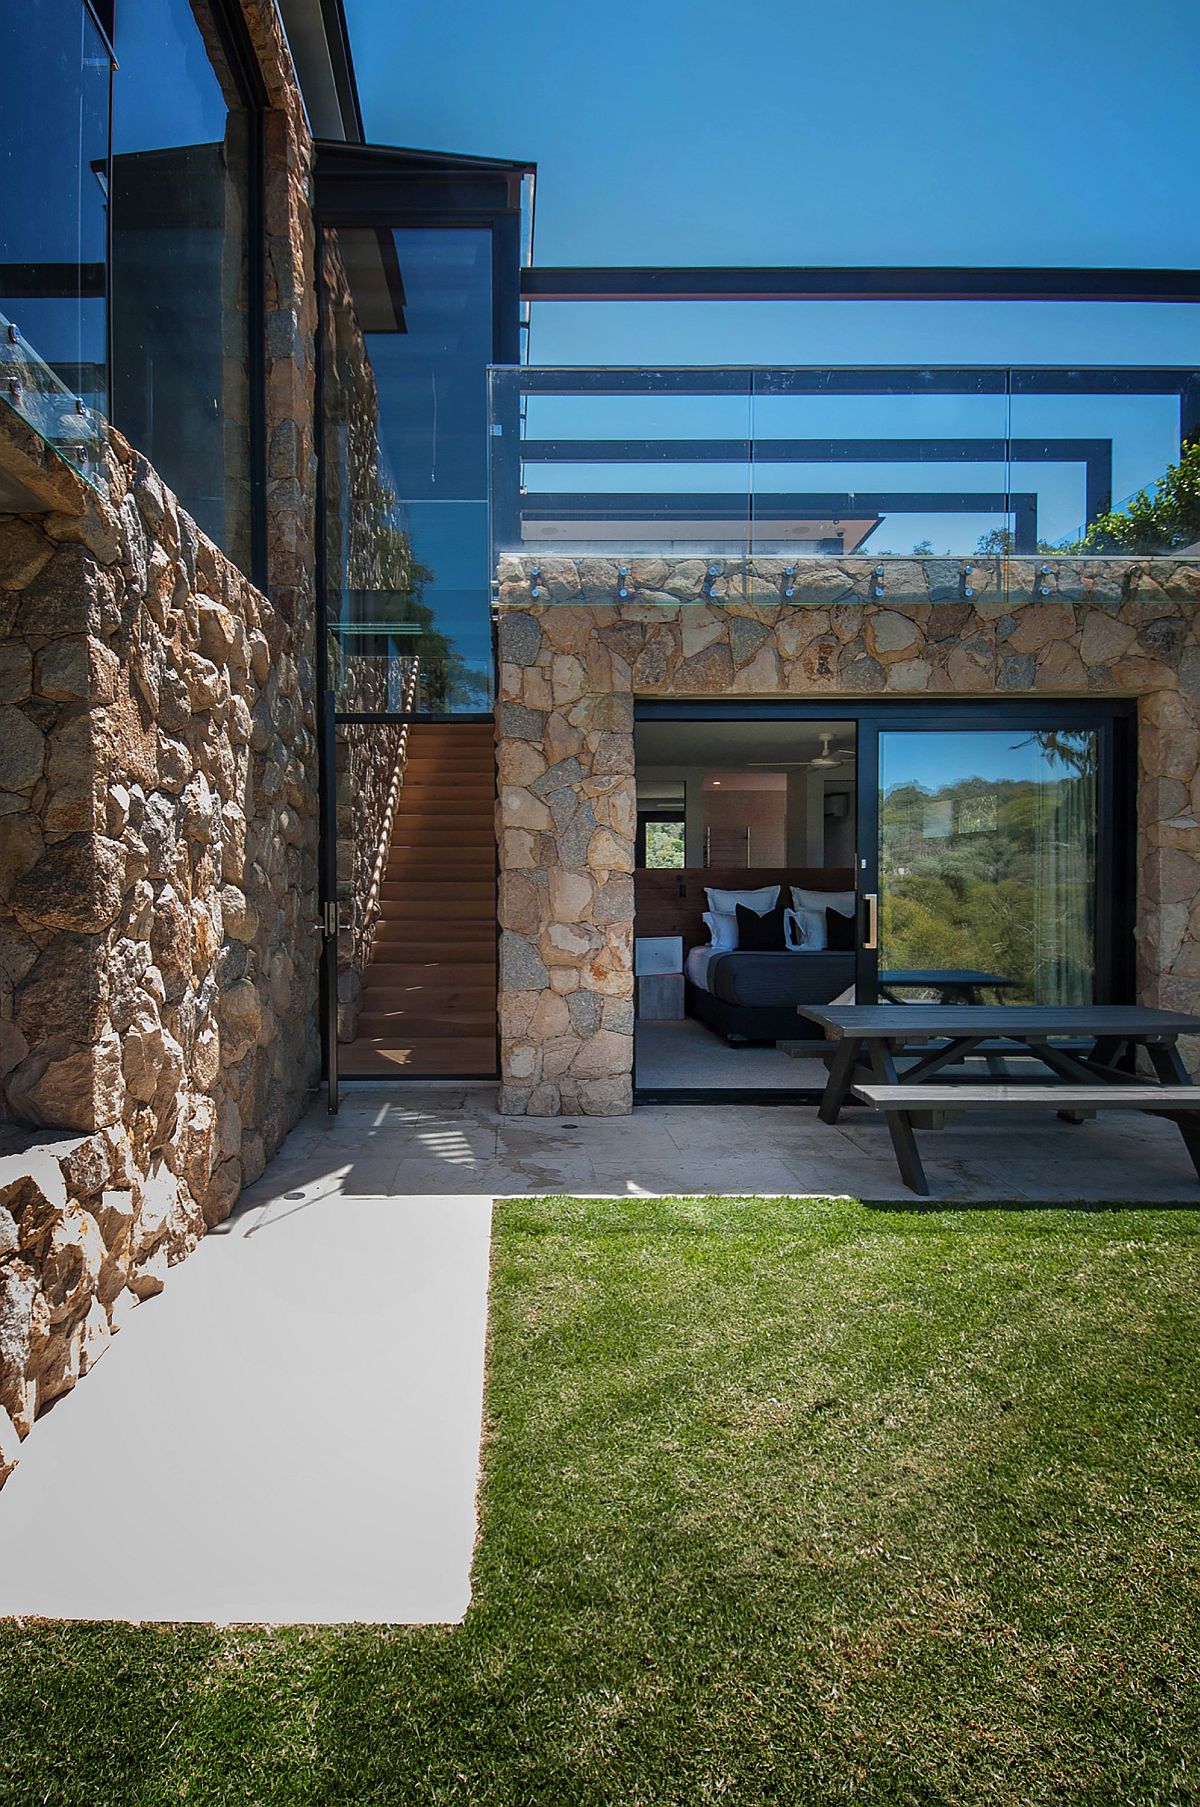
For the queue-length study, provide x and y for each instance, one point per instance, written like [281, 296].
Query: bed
[753, 997]
[742, 995]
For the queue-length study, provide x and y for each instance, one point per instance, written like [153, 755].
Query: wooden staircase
[429, 992]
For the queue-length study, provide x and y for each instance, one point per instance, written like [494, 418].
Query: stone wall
[370, 776]
[159, 935]
[290, 297]
[572, 662]
[158, 874]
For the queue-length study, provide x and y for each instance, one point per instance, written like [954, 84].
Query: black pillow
[839, 932]
[761, 934]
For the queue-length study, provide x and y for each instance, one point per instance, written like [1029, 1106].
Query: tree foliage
[1163, 519]
[977, 874]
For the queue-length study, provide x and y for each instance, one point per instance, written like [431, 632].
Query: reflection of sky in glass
[936, 759]
[432, 438]
[430, 378]
[1143, 430]
[164, 93]
[54, 87]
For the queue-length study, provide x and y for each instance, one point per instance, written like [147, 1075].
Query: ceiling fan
[820, 761]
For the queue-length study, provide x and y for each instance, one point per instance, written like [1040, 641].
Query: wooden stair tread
[403, 964]
[435, 889]
[428, 1004]
[418, 995]
[442, 909]
[420, 1057]
[384, 1028]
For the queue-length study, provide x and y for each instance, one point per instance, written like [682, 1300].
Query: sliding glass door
[991, 868]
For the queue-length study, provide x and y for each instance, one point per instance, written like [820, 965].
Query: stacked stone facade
[159, 933]
[158, 903]
[573, 660]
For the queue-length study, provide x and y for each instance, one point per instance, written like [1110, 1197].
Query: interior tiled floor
[304, 1399]
[686, 1053]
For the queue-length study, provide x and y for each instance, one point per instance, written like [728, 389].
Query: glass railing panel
[883, 484]
[613, 474]
[894, 484]
[55, 104]
[391, 651]
[857, 333]
[1112, 455]
[37, 393]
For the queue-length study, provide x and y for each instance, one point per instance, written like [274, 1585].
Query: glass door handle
[871, 938]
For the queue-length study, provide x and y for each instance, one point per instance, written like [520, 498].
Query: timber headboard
[671, 901]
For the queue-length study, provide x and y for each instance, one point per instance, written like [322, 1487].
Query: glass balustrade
[38, 394]
[55, 105]
[927, 484]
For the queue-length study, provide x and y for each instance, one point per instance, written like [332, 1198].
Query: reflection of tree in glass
[996, 874]
[397, 594]
[1077, 752]
[1164, 519]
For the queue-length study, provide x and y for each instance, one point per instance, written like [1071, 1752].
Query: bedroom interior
[750, 815]
[899, 854]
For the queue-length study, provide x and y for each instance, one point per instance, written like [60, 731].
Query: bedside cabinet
[660, 997]
[658, 976]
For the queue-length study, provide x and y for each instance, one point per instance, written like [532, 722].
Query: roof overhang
[320, 45]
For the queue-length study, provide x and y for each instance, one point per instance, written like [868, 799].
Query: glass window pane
[664, 844]
[987, 859]
[181, 146]
[408, 337]
[54, 97]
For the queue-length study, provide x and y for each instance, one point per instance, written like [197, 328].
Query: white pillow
[841, 901]
[810, 934]
[760, 901]
[722, 930]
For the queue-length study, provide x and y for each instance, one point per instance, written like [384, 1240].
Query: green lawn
[784, 1502]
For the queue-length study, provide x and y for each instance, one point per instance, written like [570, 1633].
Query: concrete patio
[308, 1388]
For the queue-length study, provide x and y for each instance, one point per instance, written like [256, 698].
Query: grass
[784, 1501]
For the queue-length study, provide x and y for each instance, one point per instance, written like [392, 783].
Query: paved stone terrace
[431, 1140]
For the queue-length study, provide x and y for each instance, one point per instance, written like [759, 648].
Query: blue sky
[937, 131]
[684, 131]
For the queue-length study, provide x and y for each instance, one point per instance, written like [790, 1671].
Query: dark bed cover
[754, 979]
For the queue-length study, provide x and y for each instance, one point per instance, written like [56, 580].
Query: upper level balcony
[814, 485]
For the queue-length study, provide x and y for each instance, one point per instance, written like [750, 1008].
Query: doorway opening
[744, 897]
[892, 853]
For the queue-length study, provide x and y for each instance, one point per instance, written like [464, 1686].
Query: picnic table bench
[1079, 1047]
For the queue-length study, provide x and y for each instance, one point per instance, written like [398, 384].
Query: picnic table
[954, 985]
[1080, 1048]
